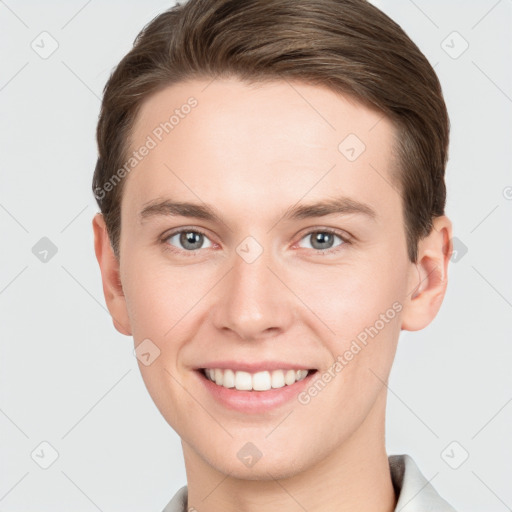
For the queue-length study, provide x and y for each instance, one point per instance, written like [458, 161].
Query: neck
[354, 477]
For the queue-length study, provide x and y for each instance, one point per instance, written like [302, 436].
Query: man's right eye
[186, 240]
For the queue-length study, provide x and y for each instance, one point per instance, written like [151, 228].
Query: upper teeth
[260, 381]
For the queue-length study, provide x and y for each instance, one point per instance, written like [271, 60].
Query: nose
[252, 301]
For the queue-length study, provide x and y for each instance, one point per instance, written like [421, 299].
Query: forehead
[259, 144]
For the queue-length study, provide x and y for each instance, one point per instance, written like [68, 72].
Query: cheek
[160, 302]
[359, 307]
[158, 295]
[349, 297]
[166, 305]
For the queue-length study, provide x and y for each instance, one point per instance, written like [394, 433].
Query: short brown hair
[348, 46]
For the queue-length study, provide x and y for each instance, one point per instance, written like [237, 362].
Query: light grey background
[69, 379]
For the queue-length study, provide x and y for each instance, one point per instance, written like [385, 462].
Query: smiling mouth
[259, 381]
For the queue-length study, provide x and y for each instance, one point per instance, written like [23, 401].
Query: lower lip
[255, 402]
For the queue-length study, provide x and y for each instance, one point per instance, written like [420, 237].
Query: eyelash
[168, 247]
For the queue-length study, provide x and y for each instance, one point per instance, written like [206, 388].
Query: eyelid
[321, 229]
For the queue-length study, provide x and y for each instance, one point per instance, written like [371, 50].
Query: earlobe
[428, 277]
[112, 286]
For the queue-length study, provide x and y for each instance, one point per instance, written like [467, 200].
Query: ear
[428, 277]
[109, 266]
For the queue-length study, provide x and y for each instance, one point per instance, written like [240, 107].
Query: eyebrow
[337, 206]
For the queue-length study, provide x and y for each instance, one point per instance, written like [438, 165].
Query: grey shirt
[414, 492]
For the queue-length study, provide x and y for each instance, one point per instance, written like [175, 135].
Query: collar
[414, 492]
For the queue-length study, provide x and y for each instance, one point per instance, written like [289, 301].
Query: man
[271, 185]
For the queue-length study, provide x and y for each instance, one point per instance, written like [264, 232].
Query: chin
[278, 464]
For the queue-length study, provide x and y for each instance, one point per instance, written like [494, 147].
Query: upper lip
[256, 366]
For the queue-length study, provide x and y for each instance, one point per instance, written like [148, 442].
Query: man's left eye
[322, 240]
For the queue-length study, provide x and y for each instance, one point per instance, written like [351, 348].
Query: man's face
[263, 284]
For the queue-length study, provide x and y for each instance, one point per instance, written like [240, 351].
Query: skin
[251, 152]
